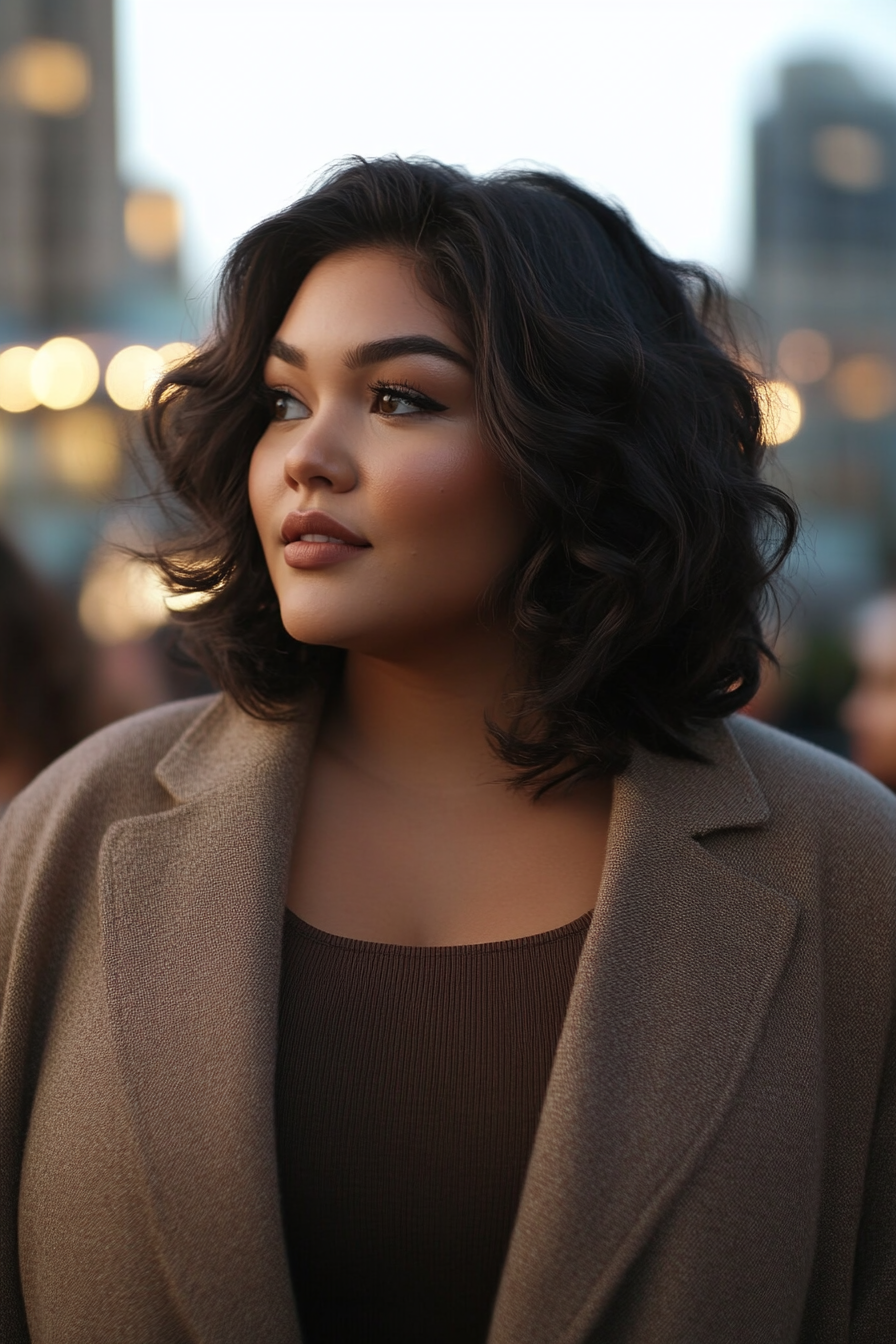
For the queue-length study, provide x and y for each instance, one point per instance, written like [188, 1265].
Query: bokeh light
[864, 387]
[175, 352]
[16, 392]
[132, 374]
[124, 598]
[782, 411]
[153, 223]
[121, 599]
[64, 373]
[804, 355]
[81, 448]
[46, 76]
[850, 157]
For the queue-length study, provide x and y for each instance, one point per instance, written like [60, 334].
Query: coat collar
[673, 985]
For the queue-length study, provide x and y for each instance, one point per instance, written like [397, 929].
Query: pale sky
[236, 105]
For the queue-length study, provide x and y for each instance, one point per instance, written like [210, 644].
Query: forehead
[364, 294]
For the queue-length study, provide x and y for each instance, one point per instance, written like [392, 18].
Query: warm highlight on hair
[633, 436]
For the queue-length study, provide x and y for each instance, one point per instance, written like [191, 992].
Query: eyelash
[408, 393]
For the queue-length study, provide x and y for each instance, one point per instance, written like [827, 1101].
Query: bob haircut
[604, 384]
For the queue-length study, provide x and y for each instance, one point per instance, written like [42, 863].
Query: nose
[319, 456]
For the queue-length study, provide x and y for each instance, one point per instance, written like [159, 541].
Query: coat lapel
[674, 984]
[192, 917]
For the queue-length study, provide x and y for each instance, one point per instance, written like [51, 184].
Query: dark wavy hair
[606, 385]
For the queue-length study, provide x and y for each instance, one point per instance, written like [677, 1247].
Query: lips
[314, 540]
[315, 527]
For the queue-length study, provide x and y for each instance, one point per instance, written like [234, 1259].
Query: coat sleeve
[21, 990]
[49, 839]
[874, 1294]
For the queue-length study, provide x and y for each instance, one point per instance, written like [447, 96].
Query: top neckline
[312, 934]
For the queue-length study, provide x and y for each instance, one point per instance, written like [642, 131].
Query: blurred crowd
[838, 689]
[57, 685]
[868, 713]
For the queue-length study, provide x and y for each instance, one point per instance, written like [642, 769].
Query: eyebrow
[374, 352]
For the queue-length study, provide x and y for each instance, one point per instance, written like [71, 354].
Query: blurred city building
[823, 282]
[92, 308]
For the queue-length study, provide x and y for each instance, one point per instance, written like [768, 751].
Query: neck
[420, 722]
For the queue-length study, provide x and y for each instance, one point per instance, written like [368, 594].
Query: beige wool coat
[715, 1158]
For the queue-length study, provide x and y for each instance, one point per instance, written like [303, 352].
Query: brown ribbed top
[409, 1085]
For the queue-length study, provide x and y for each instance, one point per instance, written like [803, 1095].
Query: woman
[580, 1025]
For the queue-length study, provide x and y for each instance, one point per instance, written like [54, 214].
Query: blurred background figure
[57, 684]
[47, 700]
[869, 712]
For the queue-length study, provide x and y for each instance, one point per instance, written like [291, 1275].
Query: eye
[284, 406]
[398, 399]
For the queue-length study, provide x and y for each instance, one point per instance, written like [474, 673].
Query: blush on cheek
[459, 538]
[460, 490]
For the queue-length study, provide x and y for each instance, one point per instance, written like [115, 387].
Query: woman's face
[383, 516]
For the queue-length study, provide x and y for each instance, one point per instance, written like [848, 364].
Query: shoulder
[141, 737]
[800, 779]
[110, 774]
[52, 833]
[830, 832]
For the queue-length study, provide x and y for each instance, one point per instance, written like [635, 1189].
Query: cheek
[453, 498]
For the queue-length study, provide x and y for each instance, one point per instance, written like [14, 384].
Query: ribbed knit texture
[409, 1086]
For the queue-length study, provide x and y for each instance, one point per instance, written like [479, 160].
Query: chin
[325, 628]
[317, 633]
[315, 617]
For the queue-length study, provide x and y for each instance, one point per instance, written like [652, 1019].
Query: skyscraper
[62, 246]
[89, 275]
[824, 285]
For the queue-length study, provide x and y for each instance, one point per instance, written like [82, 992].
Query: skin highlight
[442, 850]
